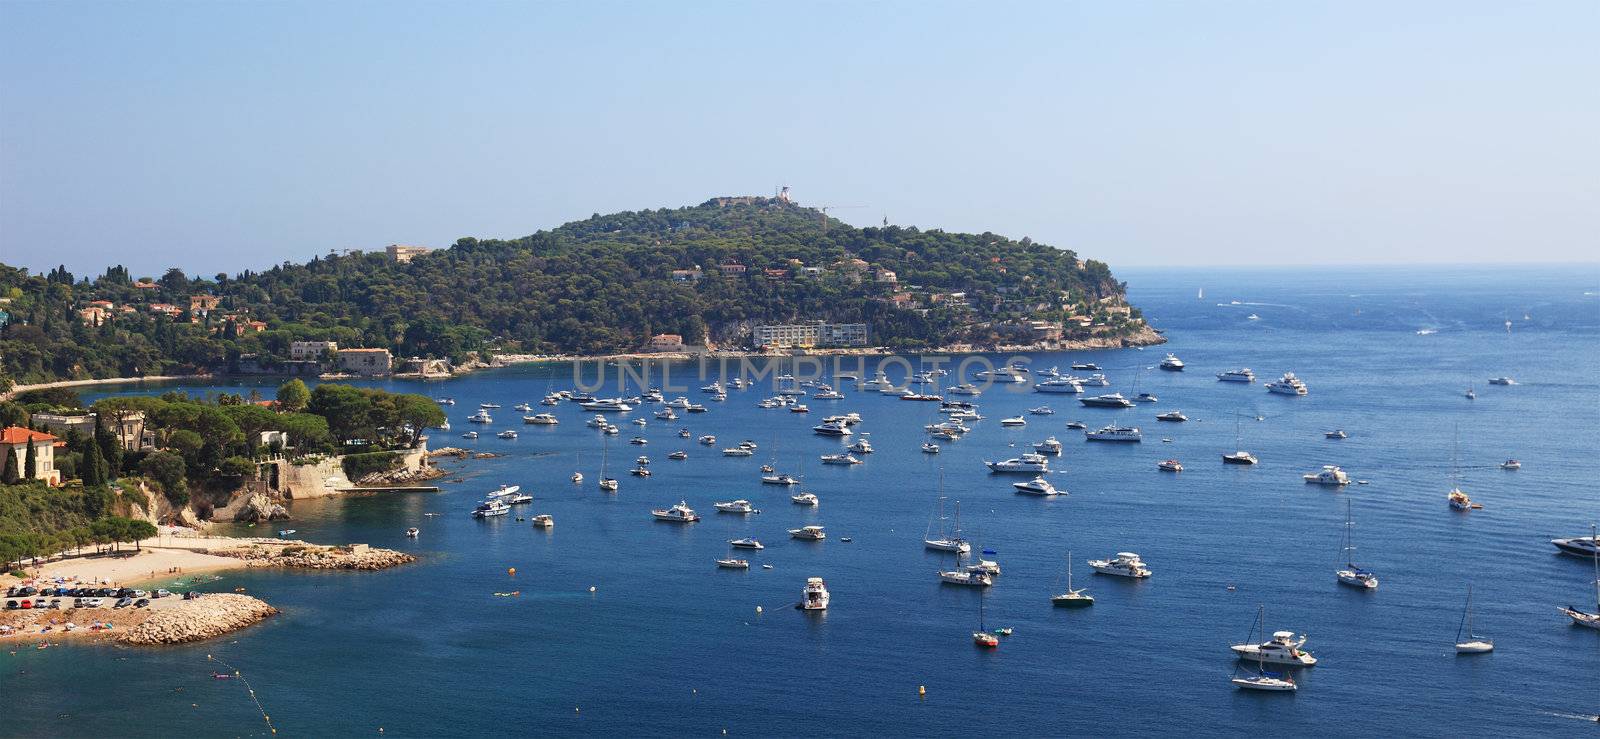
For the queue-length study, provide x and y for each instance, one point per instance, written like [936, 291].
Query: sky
[222, 136]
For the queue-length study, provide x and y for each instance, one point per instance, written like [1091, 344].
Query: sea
[624, 626]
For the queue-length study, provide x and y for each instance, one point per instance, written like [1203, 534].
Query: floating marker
[591, 588]
[758, 609]
[922, 691]
[512, 571]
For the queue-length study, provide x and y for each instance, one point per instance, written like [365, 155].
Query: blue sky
[224, 136]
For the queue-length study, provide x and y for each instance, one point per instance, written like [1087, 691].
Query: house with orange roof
[15, 440]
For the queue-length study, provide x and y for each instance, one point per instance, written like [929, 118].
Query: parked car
[161, 594]
[123, 603]
[141, 603]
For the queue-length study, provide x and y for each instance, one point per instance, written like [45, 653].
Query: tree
[137, 530]
[346, 409]
[8, 468]
[31, 470]
[293, 396]
[167, 469]
[93, 467]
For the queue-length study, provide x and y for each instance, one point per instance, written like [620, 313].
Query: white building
[818, 334]
[311, 351]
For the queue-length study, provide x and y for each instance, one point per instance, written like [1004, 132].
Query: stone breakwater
[202, 618]
[301, 555]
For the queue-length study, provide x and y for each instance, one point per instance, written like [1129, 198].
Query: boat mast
[1466, 616]
[1349, 537]
[1069, 570]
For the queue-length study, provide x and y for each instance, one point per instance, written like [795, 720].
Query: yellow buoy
[922, 690]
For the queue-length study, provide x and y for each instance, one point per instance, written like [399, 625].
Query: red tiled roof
[20, 435]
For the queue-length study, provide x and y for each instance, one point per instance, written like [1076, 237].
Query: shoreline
[20, 389]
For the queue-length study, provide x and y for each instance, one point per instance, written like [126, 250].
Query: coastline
[19, 389]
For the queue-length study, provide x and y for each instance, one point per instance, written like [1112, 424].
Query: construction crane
[825, 208]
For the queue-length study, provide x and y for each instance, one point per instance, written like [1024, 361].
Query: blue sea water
[666, 644]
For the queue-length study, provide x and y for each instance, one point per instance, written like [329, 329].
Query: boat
[808, 533]
[1030, 463]
[1262, 679]
[413, 532]
[480, 417]
[832, 428]
[605, 405]
[922, 397]
[1125, 564]
[507, 434]
[877, 384]
[1472, 643]
[488, 405]
[684, 433]
[734, 564]
[1350, 574]
[1511, 464]
[544, 521]
[445, 401]
[779, 480]
[1578, 546]
[680, 513]
[815, 595]
[1239, 375]
[827, 393]
[551, 400]
[679, 455]
[1502, 381]
[1459, 501]
[1583, 618]
[638, 441]
[961, 576]
[1253, 317]
[929, 447]
[982, 637]
[1076, 425]
[1014, 421]
[1073, 598]
[1086, 366]
[1172, 417]
[1288, 384]
[737, 451]
[735, 506]
[607, 484]
[1043, 410]
[1172, 363]
[470, 435]
[1109, 400]
[1470, 394]
[1282, 649]
[1036, 486]
[746, 543]
[862, 446]
[1115, 433]
[842, 458]
[801, 408]
[504, 491]
[640, 472]
[1335, 434]
[490, 508]
[946, 542]
[541, 419]
[1241, 456]
[1328, 475]
[1169, 465]
[666, 414]
[1002, 374]
[1146, 398]
[808, 499]
[522, 407]
[707, 440]
[1050, 445]
[1059, 385]
[965, 388]
[577, 477]
[952, 406]
[713, 388]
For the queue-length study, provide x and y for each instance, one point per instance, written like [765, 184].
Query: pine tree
[31, 468]
[93, 468]
[8, 468]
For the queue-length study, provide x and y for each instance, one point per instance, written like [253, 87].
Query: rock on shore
[305, 556]
[202, 618]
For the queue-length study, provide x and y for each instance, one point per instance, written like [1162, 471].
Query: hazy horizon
[223, 137]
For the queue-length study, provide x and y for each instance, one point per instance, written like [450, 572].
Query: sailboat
[982, 637]
[1072, 598]
[945, 542]
[1471, 395]
[1473, 644]
[1240, 456]
[1351, 574]
[577, 477]
[1200, 295]
[1591, 620]
[1458, 500]
[1262, 679]
[608, 484]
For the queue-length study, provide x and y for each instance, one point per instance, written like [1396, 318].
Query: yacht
[966, 577]
[950, 426]
[737, 451]
[1288, 384]
[965, 388]
[1502, 381]
[1169, 465]
[1029, 463]
[1511, 464]
[598, 422]
[680, 513]
[779, 480]
[800, 408]
[1172, 363]
[1077, 425]
[1125, 564]
[713, 388]
[480, 417]
[522, 407]
[541, 419]
[1335, 434]
[1043, 410]
[1114, 433]
[808, 533]
[877, 384]
[544, 521]
[1147, 398]
[746, 543]
[1059, 385]
[517, 499]
[1109, 400]
[832, 428]
[638, 441]
[842, 458]
[666, 414]
[490, 508]
[1073, 598]
[488, 405]
[1328, 475]
[679, 402]
[734, 564]
[1282, 649]
[862, 446]
[576, 478]
[1263, 679]
[1253, 317]
[986, 566]
[1350, 574]
[815, 595]
[808, 499]
[921, 397]
[470, 435]
[605, 405]
[1014, 421]
[507, 434]
[1036, 486]
[849, 419]
[953, 406]
[929, 447]
[1239, 375]
[413, 532]
[684, 433]
[1172, 417]
[1050, 445]
[828, 393]
[678, 456]
[445, 401]
[1002, 374]
[1579, 546]
[1239, 457]
[551, 400]
[707, 440]
[735, 506]
[1086, 366]
[640, 472]
[1094, 380]
[695, 408]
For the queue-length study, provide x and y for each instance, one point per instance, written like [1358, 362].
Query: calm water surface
[668, 645]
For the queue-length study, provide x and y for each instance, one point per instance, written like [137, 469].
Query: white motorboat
[1350, 574]
[666, 414]
[1583, 618]
[832, 428]
[679, 402]
[827, 393]
[503, 491]
[779, 479]
[1050, 445]
[522, 407]
[1282, 649]
[577, 477]
[848, 419]
[1511, 464]
[1076, 425]
[733, 564]
[746, 543]
[1288, 384]
[1172, 363]
[1239, 457]
[1335, 434]
[1059, 385]
[1502, 381]
[862, 446]
[490, 509]
[964, 577]
[413, 532]
[1169, 465]
[1029, 463]
[480, 417]
[808, 533]
[842, 458]
[1036, 486]
[965, 388]
[488, 405]
[1578, 546]
[470, 435]
[1086, 366]
[1172, 417]
[806, 499]
[1014, 421]
[1114, 433]
[680, 513]
[737, 451]
[678, 456]
[1262, 679]
[707, 440]
[1108, 400]
[544, 521]
[1466, 641]
[815, 595]
[1328, 475]
[605, 405]
[507, 434]
[713, 388]
[638, 441]
[1125, 564]
[1239, 375]
[445, 401]
[735, 506]
[1095, 380]
[1043, 410]
[1146, 398]
[1002, 374]
[929, 447]
[541, 419]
